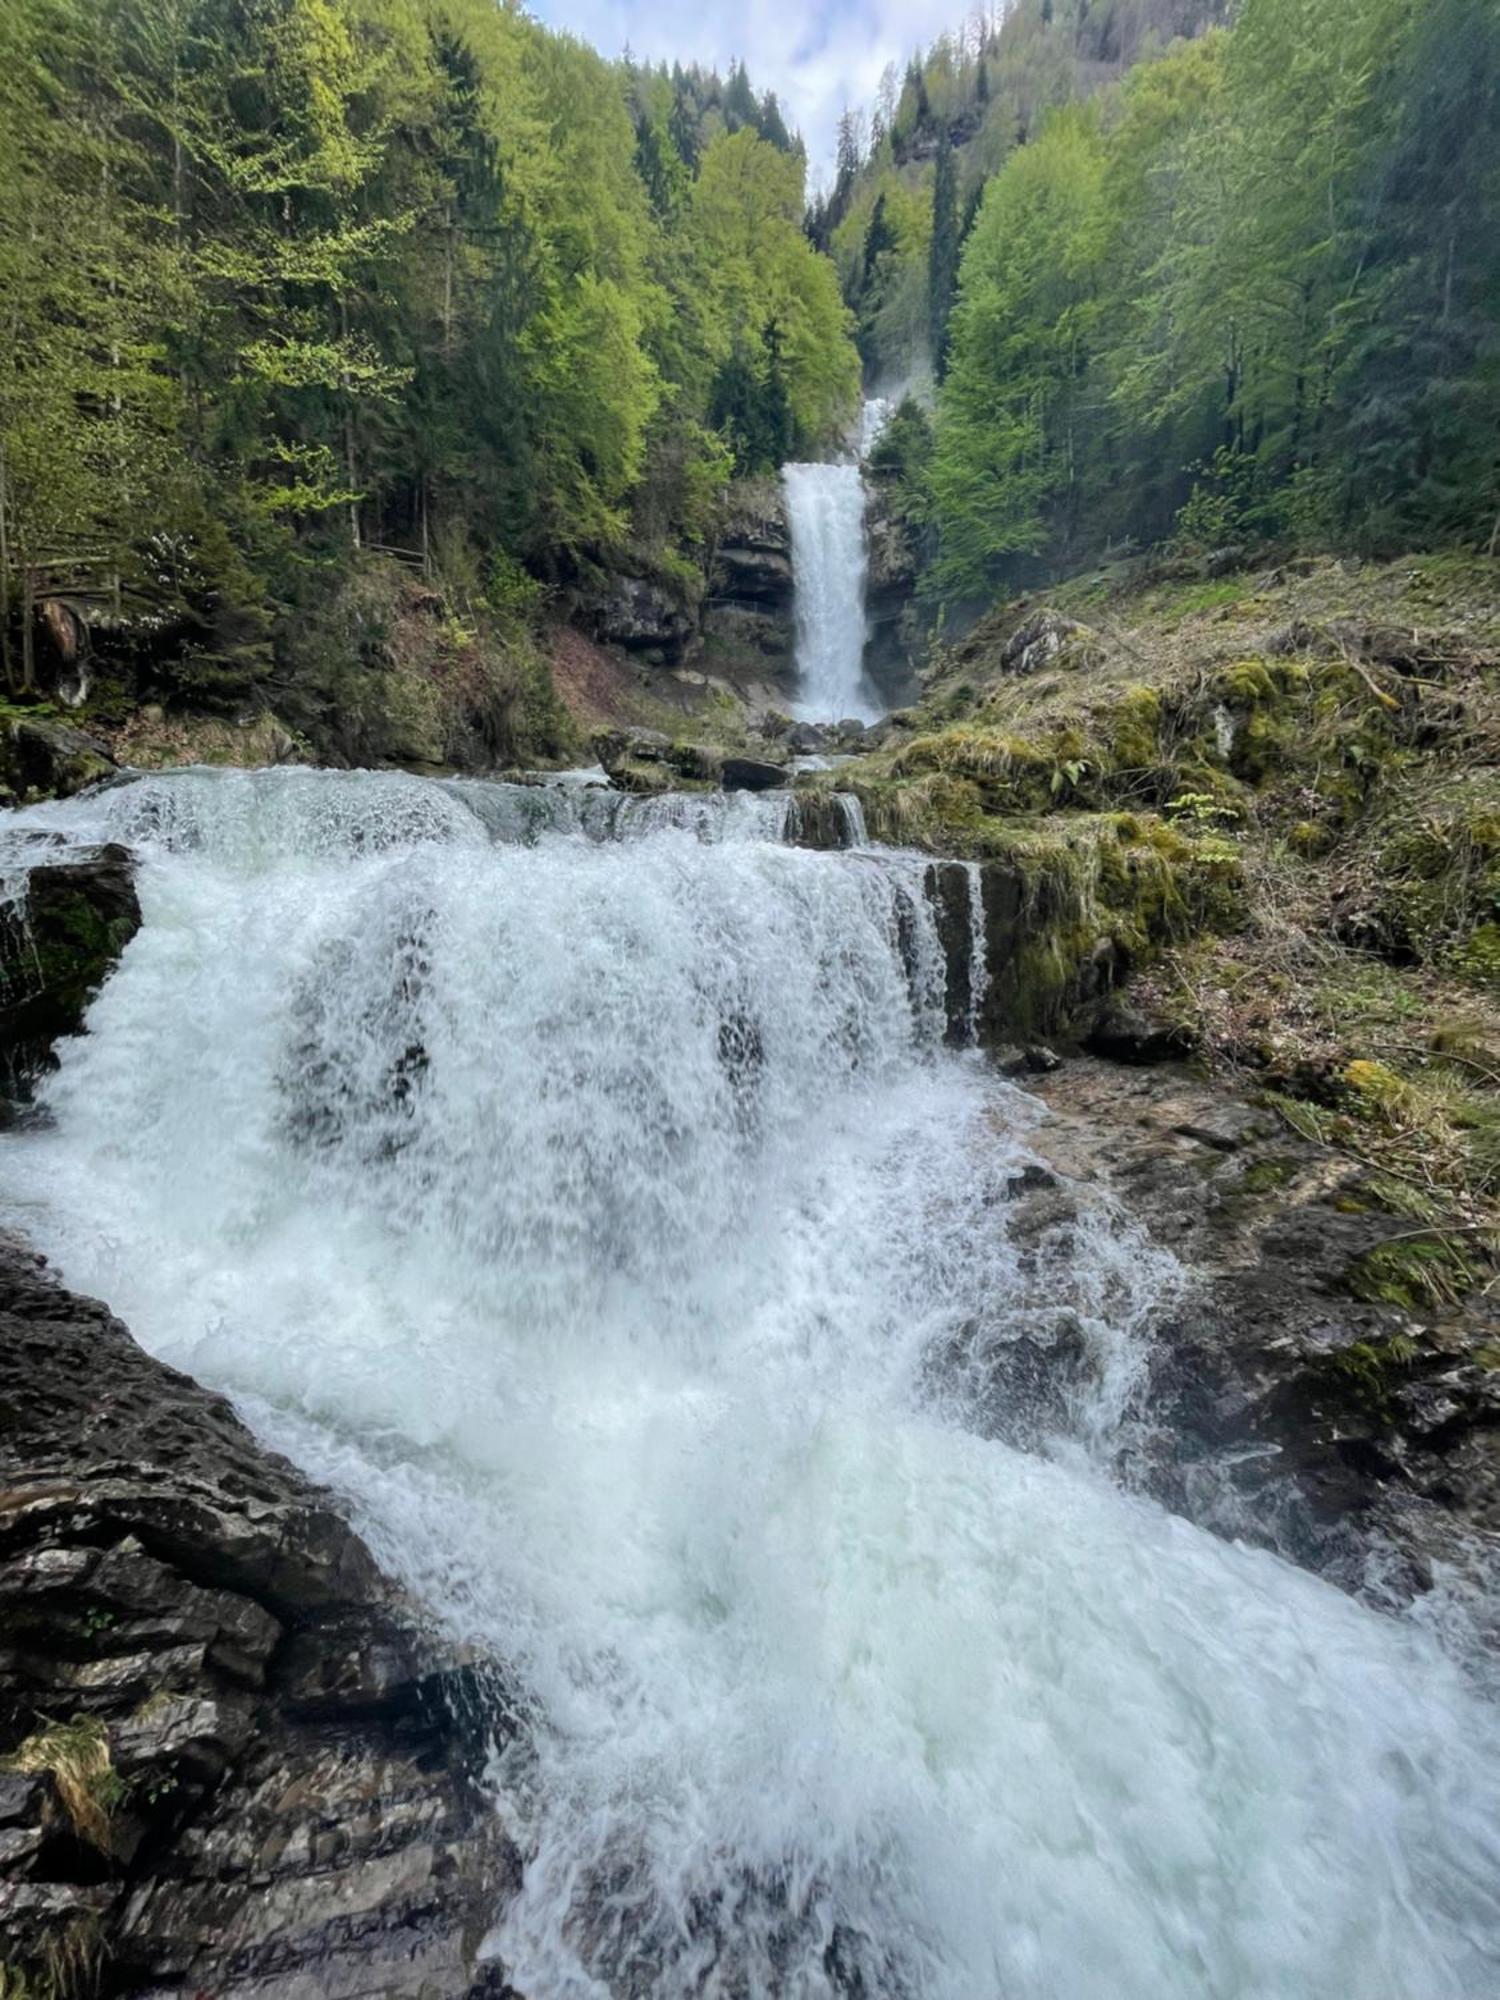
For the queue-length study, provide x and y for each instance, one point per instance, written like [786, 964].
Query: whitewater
[585, 1191]
[825, 505]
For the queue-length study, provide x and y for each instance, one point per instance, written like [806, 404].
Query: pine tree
[942, 256]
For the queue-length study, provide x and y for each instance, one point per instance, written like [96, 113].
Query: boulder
[750, 774]
[1125, 1032]
[60, 937]
[49, 759]
[236, 1766]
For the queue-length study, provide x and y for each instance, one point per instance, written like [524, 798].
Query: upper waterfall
[826, 510]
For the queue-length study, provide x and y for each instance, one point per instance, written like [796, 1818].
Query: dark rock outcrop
[751, 774]
[1359, 1438]
[235, 1766]
[644, 617]
[747, 615]
[59, 939]
[48, 760]
[896, 641]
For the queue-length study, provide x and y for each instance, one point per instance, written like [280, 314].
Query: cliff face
[230, 1762]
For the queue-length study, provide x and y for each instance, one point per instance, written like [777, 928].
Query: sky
[817, 57]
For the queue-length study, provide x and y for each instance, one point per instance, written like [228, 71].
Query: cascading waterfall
[595, 1207]
[826, 510]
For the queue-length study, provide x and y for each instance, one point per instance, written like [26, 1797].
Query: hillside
[1269, 799]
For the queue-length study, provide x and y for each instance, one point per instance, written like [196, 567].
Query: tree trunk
[28, 633]
[349, 477]
[5, 652]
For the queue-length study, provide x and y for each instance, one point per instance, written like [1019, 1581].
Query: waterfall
[588, 1195]
[826, 510]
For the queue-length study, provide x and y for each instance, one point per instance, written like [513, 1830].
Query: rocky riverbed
[233, 1762]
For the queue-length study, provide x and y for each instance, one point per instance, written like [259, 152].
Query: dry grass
[76, 1756]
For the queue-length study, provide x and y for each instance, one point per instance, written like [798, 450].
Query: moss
[1376, 1091]
[1266, 1176]
[1436, 1269]
[1246, 684]
[1134, 729]
[1371, 1369]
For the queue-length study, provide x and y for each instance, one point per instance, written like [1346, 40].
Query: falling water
[599, 1210]
[826, 509]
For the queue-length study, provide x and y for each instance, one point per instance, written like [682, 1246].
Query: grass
[76, 1756]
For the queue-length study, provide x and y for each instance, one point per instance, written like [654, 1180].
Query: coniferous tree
[942, 258]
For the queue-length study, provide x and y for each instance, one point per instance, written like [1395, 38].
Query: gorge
[595, 1202]
[749, 1001]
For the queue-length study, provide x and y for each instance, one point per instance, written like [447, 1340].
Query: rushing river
[585, 1191]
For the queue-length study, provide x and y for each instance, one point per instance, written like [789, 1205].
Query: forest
[295, 286]
[1244, 294]
[289, 281]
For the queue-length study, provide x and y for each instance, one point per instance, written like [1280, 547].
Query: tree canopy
[287, 278]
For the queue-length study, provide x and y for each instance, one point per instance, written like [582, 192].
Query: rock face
[59, 939]
[1360, 1439]
[896, 641]
[644, 617]
[232, 1764]
[48, 760]
[747, 615]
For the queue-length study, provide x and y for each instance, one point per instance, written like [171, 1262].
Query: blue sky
[817, 58]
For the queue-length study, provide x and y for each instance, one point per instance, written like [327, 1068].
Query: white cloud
[817, 59]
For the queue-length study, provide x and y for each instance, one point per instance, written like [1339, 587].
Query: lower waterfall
[586, 1193]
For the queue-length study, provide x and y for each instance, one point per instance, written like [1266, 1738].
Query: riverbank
[233, 1758]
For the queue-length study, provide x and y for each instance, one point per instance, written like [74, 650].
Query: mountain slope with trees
[1247, 293]
[302, 292]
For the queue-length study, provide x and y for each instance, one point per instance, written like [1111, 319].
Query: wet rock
[1358, 1438]
[820, 820]
[949, 890]
[49, 760]
[1040, 1060]
[60, 937]
[288, 1793]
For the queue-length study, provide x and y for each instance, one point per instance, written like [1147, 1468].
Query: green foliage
[284, 281]
[1247, 295]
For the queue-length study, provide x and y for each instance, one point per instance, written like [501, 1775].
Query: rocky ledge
[230, 1761]
[1288, 1400]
